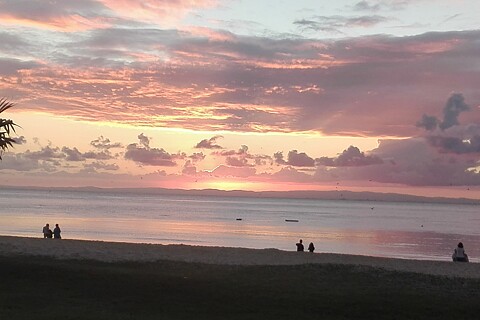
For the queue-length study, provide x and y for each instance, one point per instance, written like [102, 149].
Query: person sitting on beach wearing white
[459, 254]
[56, 232]
[47, 233]
[300, 247]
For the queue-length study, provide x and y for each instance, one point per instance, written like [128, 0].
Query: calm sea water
[402, 230]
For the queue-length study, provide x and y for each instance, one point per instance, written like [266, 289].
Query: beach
[130, 252]
[80, 279]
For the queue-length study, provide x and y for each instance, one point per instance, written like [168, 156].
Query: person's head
[301, 240]
[47, 225]
[460, 245]
[56, 225]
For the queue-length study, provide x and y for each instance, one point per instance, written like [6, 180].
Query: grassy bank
[35, 288]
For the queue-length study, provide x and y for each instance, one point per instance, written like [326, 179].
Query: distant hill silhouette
[313, 194]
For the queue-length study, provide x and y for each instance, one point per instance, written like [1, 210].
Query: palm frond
[5, 104]
[6, 127]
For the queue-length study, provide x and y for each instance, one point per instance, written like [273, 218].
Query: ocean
[374, 228]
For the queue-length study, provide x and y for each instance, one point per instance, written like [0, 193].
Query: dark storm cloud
[351, 157]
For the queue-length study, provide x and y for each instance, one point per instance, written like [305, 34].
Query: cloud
[189, 169]
[351, 157]
[61, 15]
[430, 123]
[448, 136]
[410, 162]
[151, 157]
[237, 162]
[295, 159]
[337, 23]
[105, 143]
[366, 6]
[47, 153]
[458, 145]
[209, 143]
[99, 165]
[144, 140]
[243, 83]
[143, 154]
[20, 140]
[73, 154]
[455, 105]
[197, 156]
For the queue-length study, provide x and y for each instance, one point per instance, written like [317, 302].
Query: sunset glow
[243, 95]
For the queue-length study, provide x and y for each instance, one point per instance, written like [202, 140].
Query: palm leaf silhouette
[6, 127]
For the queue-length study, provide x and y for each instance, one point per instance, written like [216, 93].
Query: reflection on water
[404, 230]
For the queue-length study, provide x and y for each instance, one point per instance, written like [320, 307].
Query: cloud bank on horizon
[352, 69]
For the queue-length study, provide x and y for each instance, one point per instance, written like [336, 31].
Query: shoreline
[113, 252]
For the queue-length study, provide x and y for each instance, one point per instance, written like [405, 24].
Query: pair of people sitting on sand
[300, 247]
[47, 233]
[459, 254]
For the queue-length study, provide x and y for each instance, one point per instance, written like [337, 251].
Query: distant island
[299, 194]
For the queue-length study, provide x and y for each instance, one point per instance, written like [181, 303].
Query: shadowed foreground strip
[34, 287]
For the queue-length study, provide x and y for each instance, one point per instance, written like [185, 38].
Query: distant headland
[299, 194]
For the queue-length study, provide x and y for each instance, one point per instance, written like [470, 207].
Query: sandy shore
[115, 252]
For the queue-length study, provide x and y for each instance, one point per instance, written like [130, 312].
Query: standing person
[46, 231]
[459, 254]
[300, 246]
[56, 232]
[311, 247]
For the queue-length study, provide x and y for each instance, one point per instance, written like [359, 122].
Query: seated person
[459, 254]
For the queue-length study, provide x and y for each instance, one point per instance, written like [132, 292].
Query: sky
[371, 95]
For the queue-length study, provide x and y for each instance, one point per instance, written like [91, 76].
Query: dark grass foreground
[35, 288]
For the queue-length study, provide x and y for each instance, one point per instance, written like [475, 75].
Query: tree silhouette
[6, 126]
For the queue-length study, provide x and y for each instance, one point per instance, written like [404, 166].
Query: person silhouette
[459, 254]
[300, 247]
[56, 232]
[311, 247]
[47, 233]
